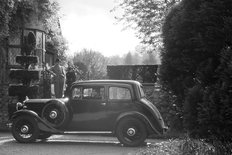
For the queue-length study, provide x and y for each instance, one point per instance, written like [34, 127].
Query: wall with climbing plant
[15, 15]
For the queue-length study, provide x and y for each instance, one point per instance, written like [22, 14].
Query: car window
[76, 93]
[95, 92]
[119, 93]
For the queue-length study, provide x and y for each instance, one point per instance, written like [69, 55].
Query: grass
[186, 146]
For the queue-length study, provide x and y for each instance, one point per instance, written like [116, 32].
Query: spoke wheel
[55, 114]
[131, 132]
[25, 129]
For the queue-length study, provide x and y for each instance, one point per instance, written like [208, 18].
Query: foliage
[166, 103]
[146, 16]
[215, 112]
[20, 15]
[136, 58]
[195, 32]
[184, 146]
[191, 106]
[141, 73]
[14, 14]
[115, 60]
[128, 59]
[6, 7]
[57, 44]
[196, 146]
[150, 59]
[221, 147]
[48, 14]
[81, 70]
[94, 61]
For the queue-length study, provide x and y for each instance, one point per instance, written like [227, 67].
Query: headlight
[19, 106]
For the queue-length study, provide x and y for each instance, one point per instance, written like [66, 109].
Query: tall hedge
[196, 34]
[215, 111]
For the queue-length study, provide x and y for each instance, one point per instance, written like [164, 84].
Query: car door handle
[103, 104]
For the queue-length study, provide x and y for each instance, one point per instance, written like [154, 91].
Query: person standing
[59, 78]
[70, 78]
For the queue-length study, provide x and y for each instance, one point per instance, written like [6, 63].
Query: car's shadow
[50, 142]
[77, 142]
[67, 142]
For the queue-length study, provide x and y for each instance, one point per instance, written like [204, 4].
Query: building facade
[12, 47]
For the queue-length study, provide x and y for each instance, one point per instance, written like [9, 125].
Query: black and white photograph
[115, 77]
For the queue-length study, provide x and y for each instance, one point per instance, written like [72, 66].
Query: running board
[88, 132]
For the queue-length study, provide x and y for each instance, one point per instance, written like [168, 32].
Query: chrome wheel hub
[131, 132]
[53, 114]
[24, 129]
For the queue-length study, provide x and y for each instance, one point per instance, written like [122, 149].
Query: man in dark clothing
[70, 78]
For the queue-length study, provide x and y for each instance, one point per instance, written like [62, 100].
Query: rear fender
[140, 116]
[41, 123]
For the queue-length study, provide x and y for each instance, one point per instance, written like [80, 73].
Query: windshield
[141, 91]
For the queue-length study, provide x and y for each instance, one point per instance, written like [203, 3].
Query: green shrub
[193, 98]
[194, 54]
[167, 104]
[186, 146]
[215, 111]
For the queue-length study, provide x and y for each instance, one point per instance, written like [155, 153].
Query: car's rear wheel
[25, 129]
[131, 132]
[55, 113]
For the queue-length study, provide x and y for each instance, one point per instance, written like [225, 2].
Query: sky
[90, 24]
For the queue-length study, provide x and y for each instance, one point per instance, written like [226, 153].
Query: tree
[128, 59]
[96, 63]
[81, 70]
[195, 33]
[115, 60]
[215, 111]
[149, 59]
[49, 15]
[146, 16]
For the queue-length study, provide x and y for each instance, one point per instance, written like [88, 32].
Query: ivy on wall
[14, 14]
[5, 11]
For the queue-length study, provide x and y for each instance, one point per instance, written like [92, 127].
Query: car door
[120, 100]
[88, 107]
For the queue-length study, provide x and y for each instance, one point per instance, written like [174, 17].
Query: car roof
[107, 82]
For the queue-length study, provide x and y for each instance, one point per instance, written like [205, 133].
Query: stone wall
[5, 100]
[3, 88]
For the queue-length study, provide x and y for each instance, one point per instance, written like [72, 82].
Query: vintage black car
[117, 107]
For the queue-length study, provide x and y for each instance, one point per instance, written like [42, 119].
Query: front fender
[42, 125]
[140, 116]
[24, 112]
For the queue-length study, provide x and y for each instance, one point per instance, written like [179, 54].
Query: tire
[131, 132]
[44, 135]
[25, 129]
[60, 117]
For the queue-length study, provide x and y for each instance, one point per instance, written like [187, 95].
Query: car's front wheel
[56, 114]
[25, 129]
[131, 131]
